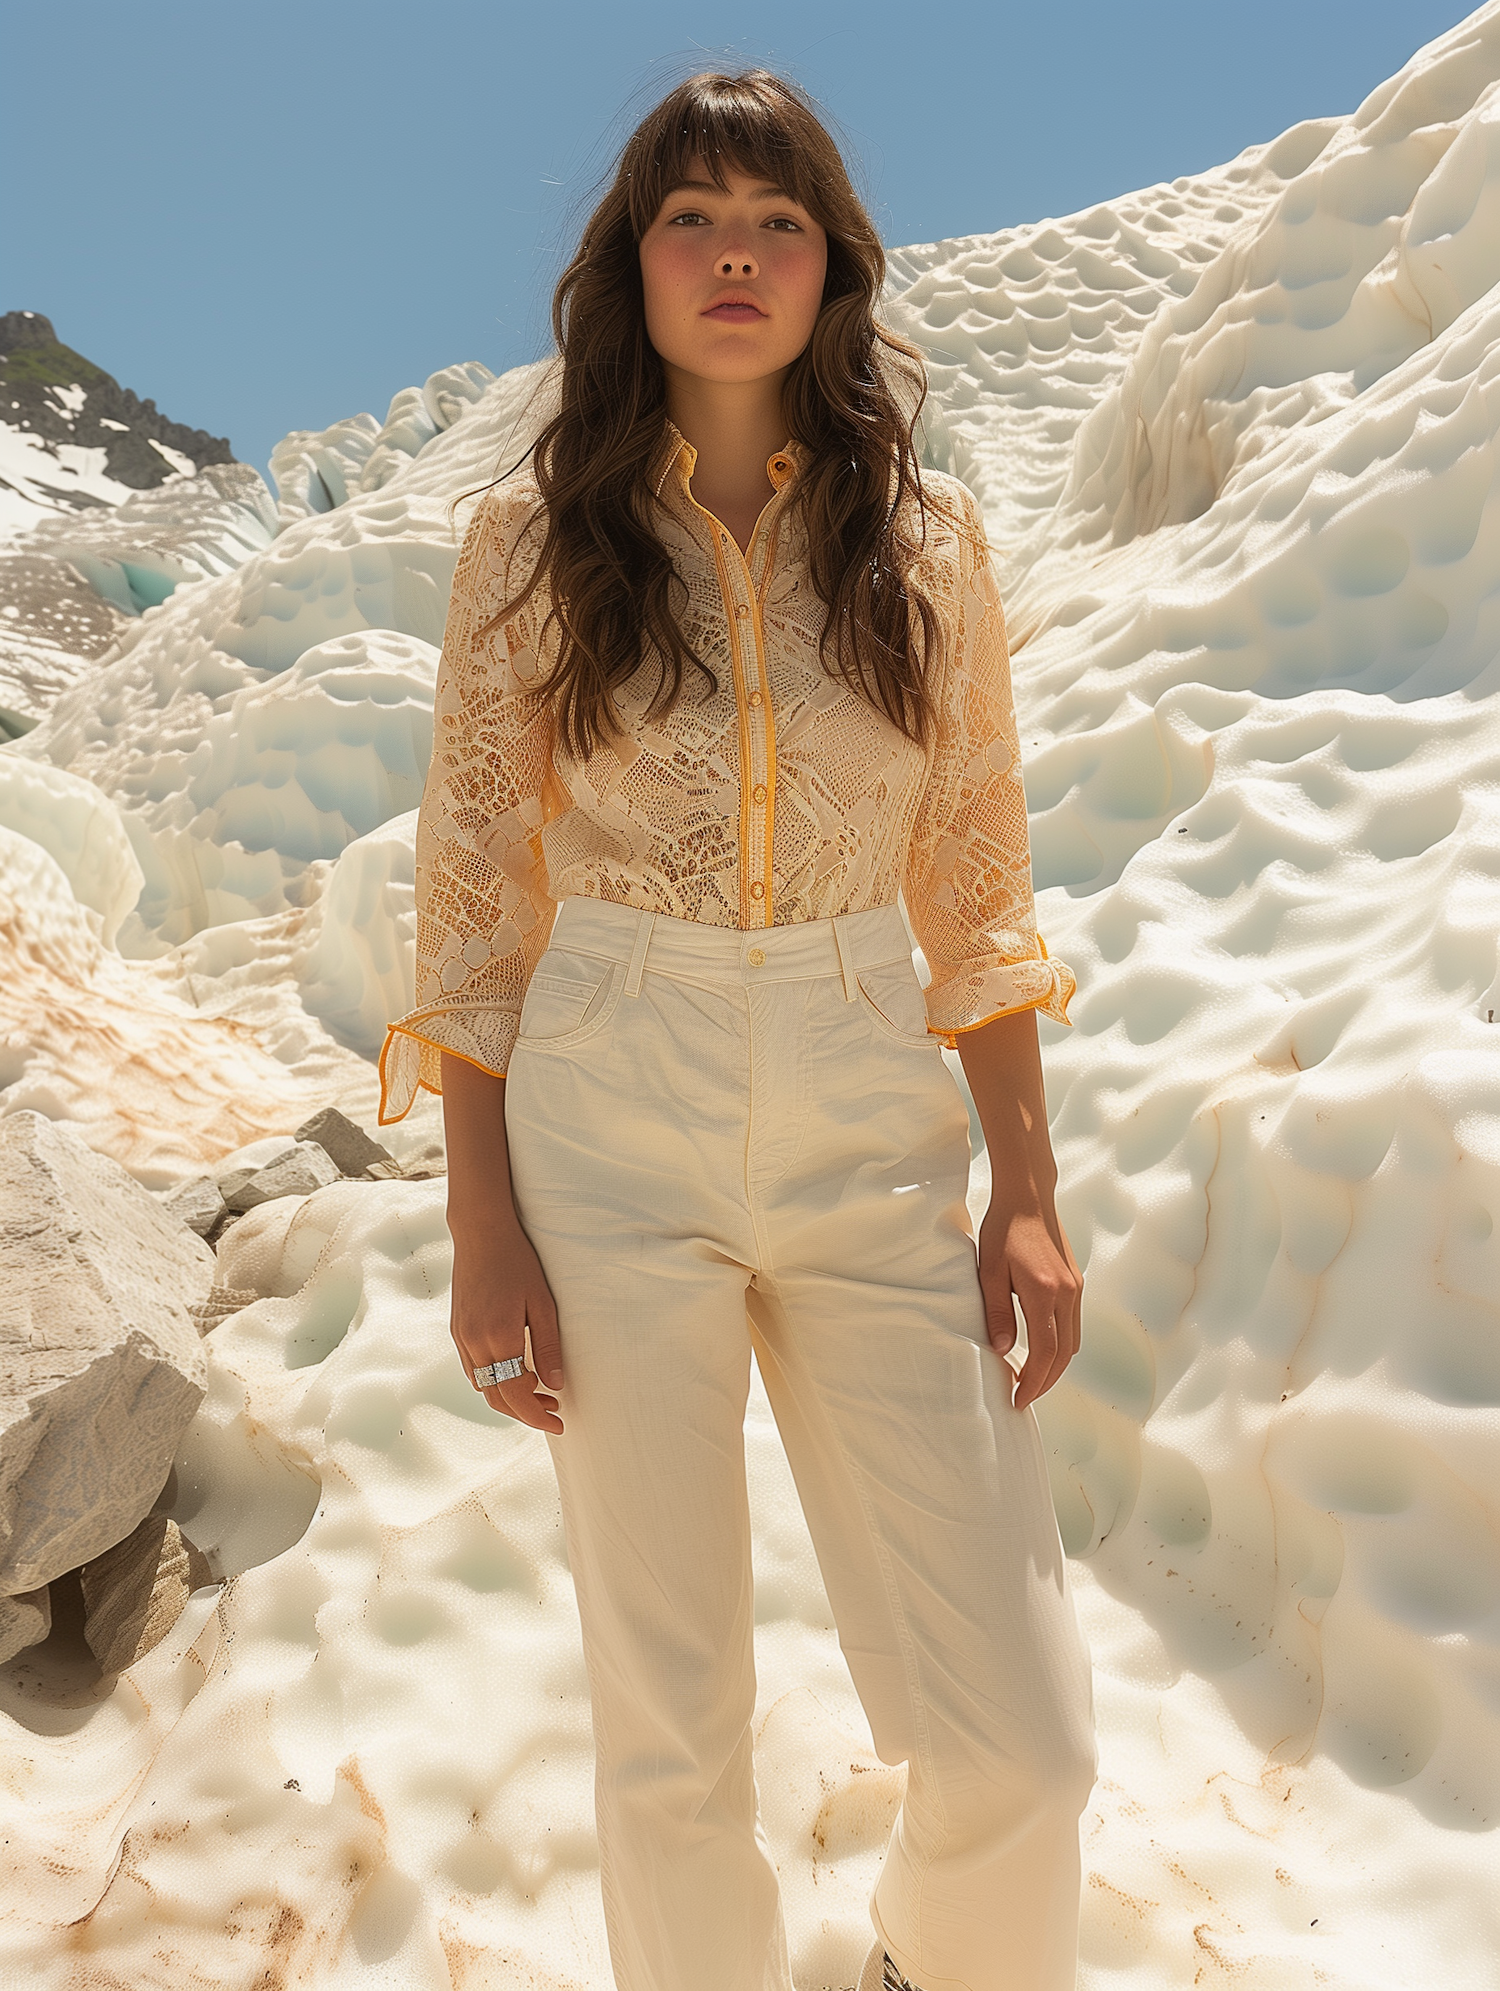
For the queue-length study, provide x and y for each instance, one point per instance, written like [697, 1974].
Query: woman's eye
[688, 216]
[785, 221]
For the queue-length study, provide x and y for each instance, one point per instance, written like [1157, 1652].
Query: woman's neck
[734, 427]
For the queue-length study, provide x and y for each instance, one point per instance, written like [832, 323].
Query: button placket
[755, 776]
[737, 585]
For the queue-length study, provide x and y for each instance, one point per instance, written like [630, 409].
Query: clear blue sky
[270, 216]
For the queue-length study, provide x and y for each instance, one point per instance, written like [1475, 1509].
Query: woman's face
[733, 278]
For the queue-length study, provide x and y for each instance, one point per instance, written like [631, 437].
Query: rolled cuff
[976, 993]
[411, 1059]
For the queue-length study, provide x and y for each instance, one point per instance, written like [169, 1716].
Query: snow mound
[283, 770]
[316, 470]
[80, 828]
[387, 568]
[158, 1064]
[135, 555]
[357, 965]
[1026, 331]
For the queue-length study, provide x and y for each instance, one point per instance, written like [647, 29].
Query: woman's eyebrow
[763, 191]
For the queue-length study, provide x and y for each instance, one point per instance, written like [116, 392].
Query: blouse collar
[674, 451]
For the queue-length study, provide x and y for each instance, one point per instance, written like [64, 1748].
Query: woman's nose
[740, 264]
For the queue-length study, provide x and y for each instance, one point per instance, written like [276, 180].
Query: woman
[722, 672]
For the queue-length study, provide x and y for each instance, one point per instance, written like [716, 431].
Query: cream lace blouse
[780, 796]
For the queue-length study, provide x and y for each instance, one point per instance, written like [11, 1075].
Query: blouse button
[756, 957]
[758, 792]
[740, 608]
[755, 699]
[757, 890]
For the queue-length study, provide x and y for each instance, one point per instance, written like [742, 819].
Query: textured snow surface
[1236, 440]
[135, 554]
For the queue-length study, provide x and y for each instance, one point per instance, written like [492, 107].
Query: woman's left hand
[1022, 1247]
[1025, 1253]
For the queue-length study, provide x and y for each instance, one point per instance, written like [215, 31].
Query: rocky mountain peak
[62, 400]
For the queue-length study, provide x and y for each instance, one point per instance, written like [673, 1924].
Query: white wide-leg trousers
[726, 1140]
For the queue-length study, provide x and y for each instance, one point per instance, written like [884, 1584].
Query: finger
[536, 1411]
[1000, 1320]
[1064, 1329]
[1073, 1337]
[1045, 1378]
[1069, 1325]
[1073, 1299]
[546, 1342]
[1039, 1306]
[529, 1405]
[1033, 1383]
[996, 1289]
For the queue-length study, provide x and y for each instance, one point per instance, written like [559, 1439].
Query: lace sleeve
[484, 911]
[967, 882]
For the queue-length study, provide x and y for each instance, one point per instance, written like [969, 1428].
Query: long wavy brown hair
[852, 399]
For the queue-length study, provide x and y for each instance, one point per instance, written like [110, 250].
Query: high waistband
[695, 951]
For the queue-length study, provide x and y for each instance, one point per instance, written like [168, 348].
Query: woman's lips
[734, 314]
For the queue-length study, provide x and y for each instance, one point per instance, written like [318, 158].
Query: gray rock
[304, 1168]
[24, 1621]
[134, 1593]
[198, 1203]
[349, 1146]
[232, 1179]
[100, 1365]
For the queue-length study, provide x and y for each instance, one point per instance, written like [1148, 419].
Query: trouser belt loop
[638, 954]
[846, 958]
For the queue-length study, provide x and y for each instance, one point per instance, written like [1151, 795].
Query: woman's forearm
[1003, 1064]
[479, 1190]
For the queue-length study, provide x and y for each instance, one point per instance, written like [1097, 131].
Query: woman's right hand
[499, 1290]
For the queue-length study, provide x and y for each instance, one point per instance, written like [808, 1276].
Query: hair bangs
[719, 125]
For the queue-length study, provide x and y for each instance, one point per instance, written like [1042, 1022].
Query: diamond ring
[494, 1373]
